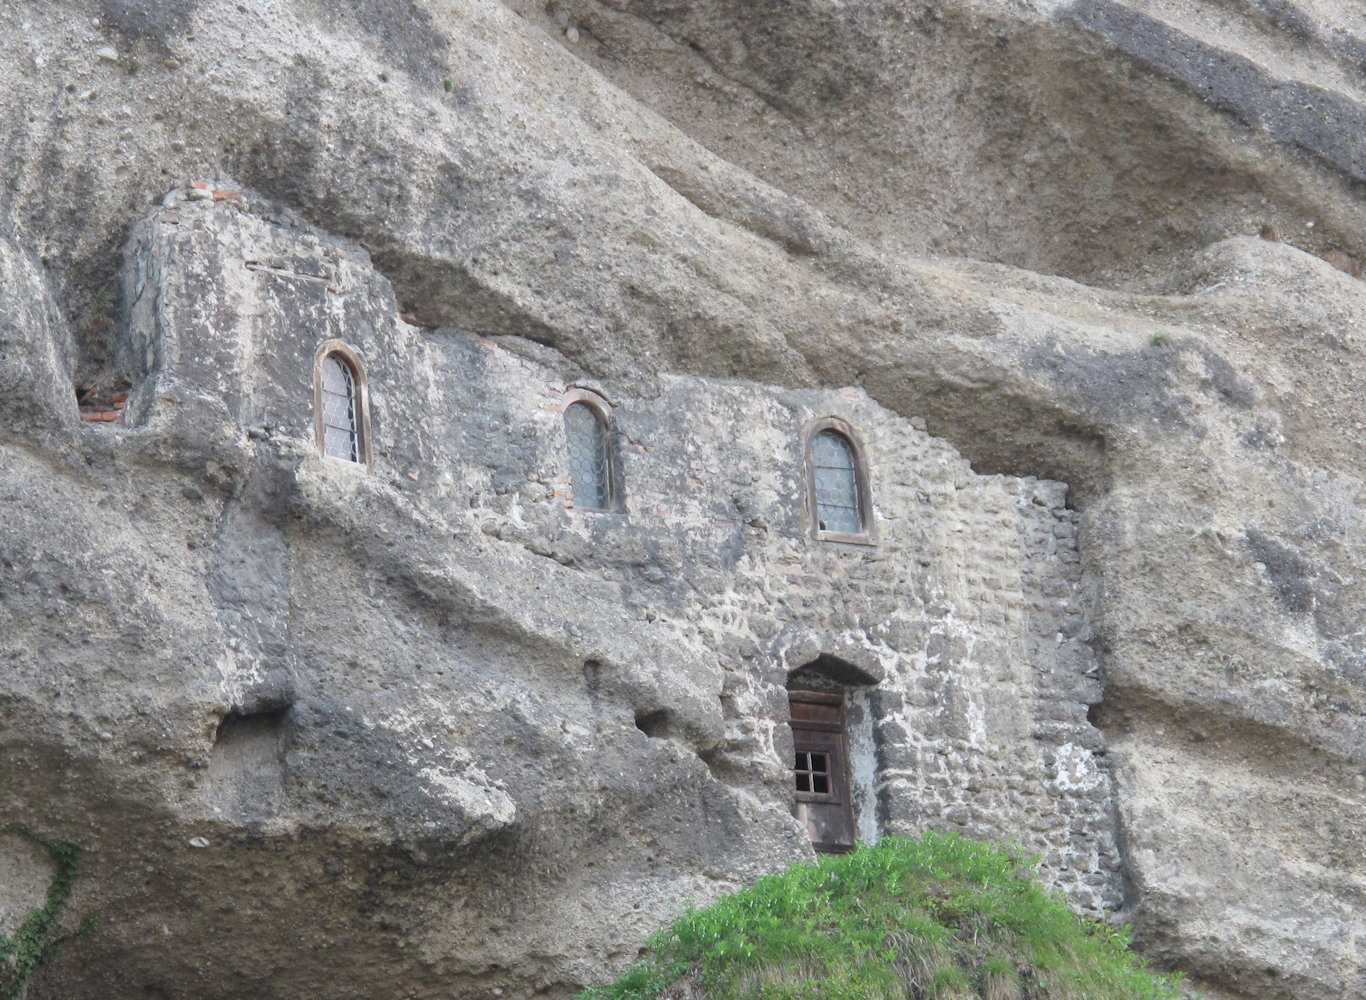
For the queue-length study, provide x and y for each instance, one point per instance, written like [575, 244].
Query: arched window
[587, 426]
[341, 437]
[837, 483]
[341, 407]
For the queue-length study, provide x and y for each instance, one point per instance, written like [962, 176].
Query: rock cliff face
[1078, 276]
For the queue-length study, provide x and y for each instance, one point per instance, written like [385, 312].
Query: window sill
[819, 799]
[333, 462]
[844, 537]
[580, 509]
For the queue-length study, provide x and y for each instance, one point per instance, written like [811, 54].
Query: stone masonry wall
[482, 739]
[430, 727]
[968, 612]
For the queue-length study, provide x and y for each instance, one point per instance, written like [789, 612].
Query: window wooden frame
[861, 485]
[351, 358]
[603, 411]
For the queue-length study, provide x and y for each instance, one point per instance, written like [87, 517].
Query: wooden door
[821, 770]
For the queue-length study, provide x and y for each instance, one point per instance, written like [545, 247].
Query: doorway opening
[834, 766]
[824, 798]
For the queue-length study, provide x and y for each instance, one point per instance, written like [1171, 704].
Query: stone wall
[967, 618]
[1091, 241]
[553, 727]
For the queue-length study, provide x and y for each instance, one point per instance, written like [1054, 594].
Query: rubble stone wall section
[967, 616]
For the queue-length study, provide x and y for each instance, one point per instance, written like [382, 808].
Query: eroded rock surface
[440, 730]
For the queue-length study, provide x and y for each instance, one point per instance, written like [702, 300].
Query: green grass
[939, 918]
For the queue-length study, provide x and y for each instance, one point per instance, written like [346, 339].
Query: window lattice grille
[340, 439]
[812, 772]
[836, 484]
[589, 457]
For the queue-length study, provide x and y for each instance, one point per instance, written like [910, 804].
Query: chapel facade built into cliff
[880, 639]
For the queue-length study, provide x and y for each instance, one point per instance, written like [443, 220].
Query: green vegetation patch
[35, 942]
[939, 918]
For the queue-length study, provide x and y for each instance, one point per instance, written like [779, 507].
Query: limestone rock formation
[1078, 274]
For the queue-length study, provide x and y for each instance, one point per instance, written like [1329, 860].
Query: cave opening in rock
[246, 768]
[653, 724]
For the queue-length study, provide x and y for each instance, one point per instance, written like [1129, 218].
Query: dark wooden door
[821, 770]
